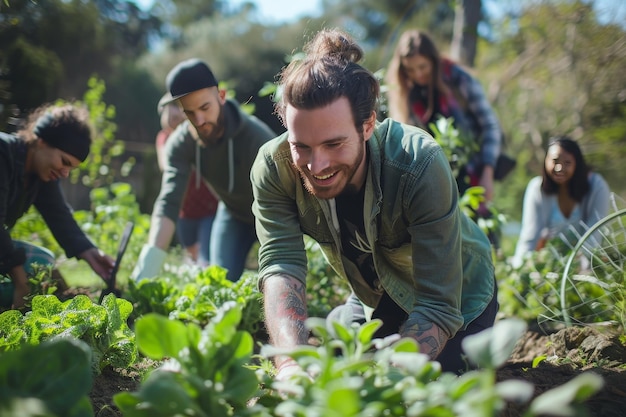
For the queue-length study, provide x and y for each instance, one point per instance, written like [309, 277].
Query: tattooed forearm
[430, 337]
[285, 310]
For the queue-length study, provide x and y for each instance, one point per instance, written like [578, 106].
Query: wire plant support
[604, 292]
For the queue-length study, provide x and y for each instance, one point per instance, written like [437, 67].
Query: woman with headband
[55, 140]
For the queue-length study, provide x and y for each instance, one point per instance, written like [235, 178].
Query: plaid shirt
[469, 107]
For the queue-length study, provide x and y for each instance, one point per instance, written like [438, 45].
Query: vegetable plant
[204, 373]
[102, 327]
[351, 375]
[196, 296]
[50, 379]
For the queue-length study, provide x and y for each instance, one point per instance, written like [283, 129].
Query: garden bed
[569, 352]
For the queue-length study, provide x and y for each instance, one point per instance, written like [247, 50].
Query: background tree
[559, 72]
[549, 66]
[42, 59]
[468, 14]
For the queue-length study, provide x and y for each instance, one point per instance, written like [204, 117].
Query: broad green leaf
[342, 333]
[241, 385]
[558, 401]
[367, 330]
[343, 397]
[163, 395]
[464, 384]
[406, 344]
[493, 346]
[46, 306]
[224, 325]
[57, 372]
[516, 391]
[159, 337]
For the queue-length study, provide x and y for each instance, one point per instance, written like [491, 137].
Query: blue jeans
[35, 255]
[231, 240]
[192, 231]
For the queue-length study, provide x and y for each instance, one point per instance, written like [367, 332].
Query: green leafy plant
[531, 291]
[99, 169]
[111, 207]
[569, 283]
[102, 327]
[351, 375]
[50, 379]
[457, 147]
[204, 373]
[196, 296]
[325, 289]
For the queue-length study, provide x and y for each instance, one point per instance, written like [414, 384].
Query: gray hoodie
[224, 165]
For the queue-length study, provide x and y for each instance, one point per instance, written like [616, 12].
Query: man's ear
[222, 95]
[369, 125]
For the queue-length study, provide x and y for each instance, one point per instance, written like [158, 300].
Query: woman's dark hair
[578, 186]
[329, 71]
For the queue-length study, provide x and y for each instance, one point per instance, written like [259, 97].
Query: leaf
[538, 360]
[558, 401]
[56, 372]
[241, 385]
[159, 337]
[367, 331]
[161, 395]
[517, 391]
[343, 397]
[342, 333]
[493, 346]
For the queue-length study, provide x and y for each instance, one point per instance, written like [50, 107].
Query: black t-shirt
[355, 245]
[357, 248]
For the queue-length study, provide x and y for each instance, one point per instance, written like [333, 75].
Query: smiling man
[380, 200]
[55, 140]
[220, 142]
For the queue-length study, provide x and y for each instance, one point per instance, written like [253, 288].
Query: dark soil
[570, 352]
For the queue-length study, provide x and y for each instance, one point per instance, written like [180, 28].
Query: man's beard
[348, 170]
[217, 131]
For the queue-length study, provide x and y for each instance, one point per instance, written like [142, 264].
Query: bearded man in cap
[55, 140]
[220, 142]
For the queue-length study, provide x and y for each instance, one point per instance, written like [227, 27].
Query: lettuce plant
[102, 327]
[197, 296]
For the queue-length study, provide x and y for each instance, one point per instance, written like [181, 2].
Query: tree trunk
[467, 15]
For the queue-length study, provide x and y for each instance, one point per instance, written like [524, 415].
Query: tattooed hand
[430, 337]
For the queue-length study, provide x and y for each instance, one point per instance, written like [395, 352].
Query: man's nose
[318, 162]
[198, 119]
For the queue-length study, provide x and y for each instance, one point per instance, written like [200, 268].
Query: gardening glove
[149, 263]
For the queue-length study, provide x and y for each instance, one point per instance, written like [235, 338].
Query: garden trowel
[128, 230]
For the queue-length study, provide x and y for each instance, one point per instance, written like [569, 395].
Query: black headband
[71, 137]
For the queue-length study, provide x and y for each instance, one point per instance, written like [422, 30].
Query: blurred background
[549, 67]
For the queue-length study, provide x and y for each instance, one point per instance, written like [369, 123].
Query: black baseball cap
[186, 77]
